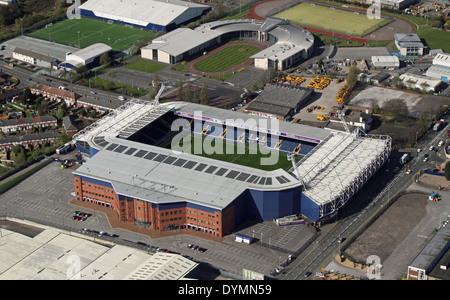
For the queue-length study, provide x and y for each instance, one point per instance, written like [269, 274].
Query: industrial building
[155, 15]
[385, 62]
[162, 189]
[434, 260]
[89, 56]
[290, 43]
[409, 44]
[421, 82]
[279, 101]
[22, 256]
[440, 68]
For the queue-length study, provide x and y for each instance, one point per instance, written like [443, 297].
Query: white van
[122, 98]
[441, 143]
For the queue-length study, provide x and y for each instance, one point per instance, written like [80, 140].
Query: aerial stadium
[141, 163]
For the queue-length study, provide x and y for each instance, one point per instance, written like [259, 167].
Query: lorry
[438, 125]
[404, 158]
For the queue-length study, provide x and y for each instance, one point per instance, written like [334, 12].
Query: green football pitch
[330, 18]
[85, 32]
[238, 153]
[226, 58]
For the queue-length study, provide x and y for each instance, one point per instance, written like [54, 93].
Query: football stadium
[186, 166]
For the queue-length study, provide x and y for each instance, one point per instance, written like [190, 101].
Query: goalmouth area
[331, 18]
[84, 32]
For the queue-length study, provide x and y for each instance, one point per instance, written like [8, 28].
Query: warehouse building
[385, 62]
[279, 101]
[155, 15]
[440, 68]
[434, 260]
[290, 43]
[89, 56]
[421, 82]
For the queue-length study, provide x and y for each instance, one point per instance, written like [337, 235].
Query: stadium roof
[141, 12]
[340, 163]
[149, 172]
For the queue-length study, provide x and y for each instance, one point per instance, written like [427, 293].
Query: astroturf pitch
[330, 18]
[233, 152]
[85, 32]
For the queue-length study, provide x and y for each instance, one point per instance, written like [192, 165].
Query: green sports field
[323, 17]
[226, 58]
[237, 153]
[87, 31]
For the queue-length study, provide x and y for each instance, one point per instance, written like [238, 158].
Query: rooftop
[47, 256]
[290, 39]
[141, 12]
[279, 99]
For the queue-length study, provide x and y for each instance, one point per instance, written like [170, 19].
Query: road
[377, 192]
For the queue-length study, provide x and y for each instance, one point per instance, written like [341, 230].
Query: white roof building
[385, 61]
[421, 82]
[440, 68]
[148, 14]
[291, 43]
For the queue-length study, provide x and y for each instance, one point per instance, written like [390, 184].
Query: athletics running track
[253, 15]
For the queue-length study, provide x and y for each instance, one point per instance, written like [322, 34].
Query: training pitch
[226, 58]
[330, 18]
[85, 32]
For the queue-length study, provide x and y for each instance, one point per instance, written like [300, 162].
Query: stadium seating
[283, 144]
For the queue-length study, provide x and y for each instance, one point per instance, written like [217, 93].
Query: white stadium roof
[141, 12]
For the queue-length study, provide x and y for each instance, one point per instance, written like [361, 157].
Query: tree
[180, 90]
[204, 94]
[105, 60]
[62, 110]
[396, 108]
[447, 170]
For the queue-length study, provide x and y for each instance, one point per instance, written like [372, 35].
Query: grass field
[85, 32]
[145, 65]
[345, 22]
[226, 59]
[241, 154]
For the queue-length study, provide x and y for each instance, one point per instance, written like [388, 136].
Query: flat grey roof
[279, 99]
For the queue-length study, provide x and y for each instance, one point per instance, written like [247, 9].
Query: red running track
[253, 15]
